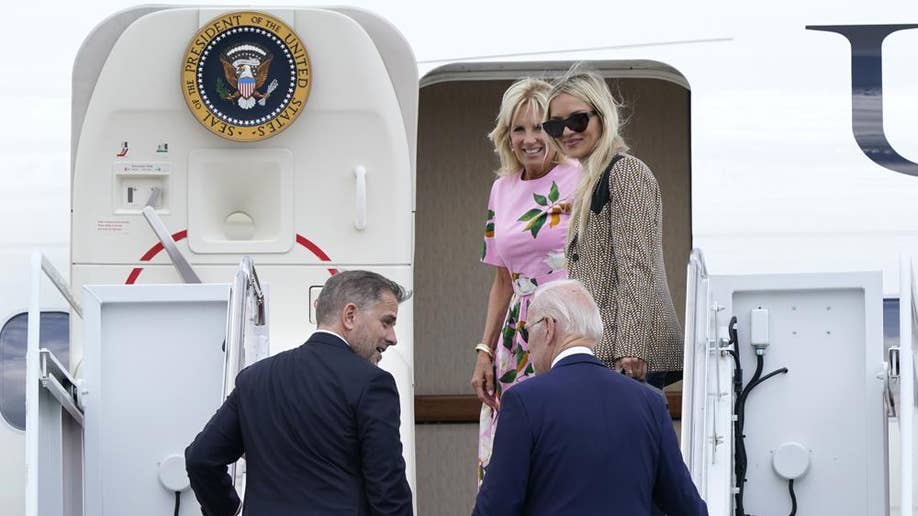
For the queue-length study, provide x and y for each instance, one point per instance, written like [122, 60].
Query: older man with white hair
[579, 438]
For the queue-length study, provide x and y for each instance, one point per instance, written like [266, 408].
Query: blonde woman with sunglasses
[614, 244]
[525, 232]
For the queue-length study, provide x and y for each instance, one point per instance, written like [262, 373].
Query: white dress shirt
[575, 350]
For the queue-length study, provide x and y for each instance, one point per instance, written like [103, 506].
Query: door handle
[360, 218]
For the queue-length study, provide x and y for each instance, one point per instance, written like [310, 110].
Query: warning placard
[113, 226]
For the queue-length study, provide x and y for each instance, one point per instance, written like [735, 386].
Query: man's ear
[349, 316]
[549, 333]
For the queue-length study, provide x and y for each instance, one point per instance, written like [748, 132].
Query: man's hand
[631, 366]
[483, 380]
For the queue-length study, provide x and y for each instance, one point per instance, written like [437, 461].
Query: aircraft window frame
[512, 70]
[12, 361]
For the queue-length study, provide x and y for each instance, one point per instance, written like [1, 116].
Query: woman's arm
[498, 300]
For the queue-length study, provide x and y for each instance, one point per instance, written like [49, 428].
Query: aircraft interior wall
[455, 164]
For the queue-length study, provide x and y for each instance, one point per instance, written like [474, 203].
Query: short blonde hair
[531, 93]
[590, 88]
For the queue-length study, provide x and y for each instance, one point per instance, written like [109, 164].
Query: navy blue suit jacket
[582, 439]
[319, 427]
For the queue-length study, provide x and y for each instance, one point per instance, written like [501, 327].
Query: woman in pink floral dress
[524, 240]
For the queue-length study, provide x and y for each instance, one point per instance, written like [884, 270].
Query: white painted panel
[153, 376]
[827, 330]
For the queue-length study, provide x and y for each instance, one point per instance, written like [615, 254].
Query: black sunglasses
[577, 122]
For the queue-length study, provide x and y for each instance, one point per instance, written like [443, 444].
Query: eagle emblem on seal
[246, 69]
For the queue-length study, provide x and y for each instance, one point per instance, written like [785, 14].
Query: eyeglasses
[530, 326]
[577, 122]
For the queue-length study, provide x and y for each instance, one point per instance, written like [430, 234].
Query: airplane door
[287, 135]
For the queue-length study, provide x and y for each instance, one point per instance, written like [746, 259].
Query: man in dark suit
[579, 438]
[318, 424]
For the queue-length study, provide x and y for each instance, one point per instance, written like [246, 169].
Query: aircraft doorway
[455, 165]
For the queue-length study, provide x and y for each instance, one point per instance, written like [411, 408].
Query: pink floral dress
[525, 232]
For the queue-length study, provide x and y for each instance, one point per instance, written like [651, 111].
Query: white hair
[571, 306]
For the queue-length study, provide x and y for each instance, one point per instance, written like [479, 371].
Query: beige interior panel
[446, 461]
[455, 172]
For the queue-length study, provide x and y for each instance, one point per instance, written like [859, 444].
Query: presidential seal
[246, 76]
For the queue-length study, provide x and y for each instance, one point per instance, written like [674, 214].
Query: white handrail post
[908, 321]
[32, 358]
[51, 271]
[245, 279]
[694, 329]
[179, 261]
[235, 325]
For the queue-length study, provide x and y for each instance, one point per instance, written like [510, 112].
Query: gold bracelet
[481, 346]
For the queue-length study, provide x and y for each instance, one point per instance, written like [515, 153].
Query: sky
[41, 39]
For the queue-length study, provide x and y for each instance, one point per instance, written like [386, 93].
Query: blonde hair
[593, 90]
[531, 93]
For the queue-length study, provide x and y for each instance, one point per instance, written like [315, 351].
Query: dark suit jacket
[581, 439]
[319, 427]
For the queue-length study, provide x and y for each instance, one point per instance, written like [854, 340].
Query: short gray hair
[571, 306]
[363, 288]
